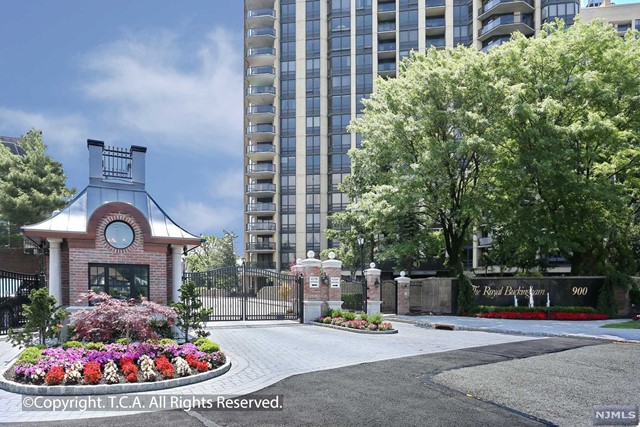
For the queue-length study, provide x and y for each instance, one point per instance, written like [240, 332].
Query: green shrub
[363, 316]
[70, 344]
[162, 328]
[465, 295]
[327, 320]
[337, 313]
[606, 296]
[375, 318]
[165, 341]
[209, 347]
[200, 341]
[349, 315]
[123, 340]
[93, 345]
[30, 355]
[352, 300]
[634, 295]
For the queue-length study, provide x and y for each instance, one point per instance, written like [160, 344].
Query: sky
[162, 74]
[166, 75]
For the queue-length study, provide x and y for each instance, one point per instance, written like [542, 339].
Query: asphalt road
[396, 392]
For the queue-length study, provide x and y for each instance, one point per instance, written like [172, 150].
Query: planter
[75, 390]
[358, 331]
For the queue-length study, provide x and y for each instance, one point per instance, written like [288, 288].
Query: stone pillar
[314, 294]
[55, 270]
[403, 293]
[176, 269]
[333, 269]
[372, 275]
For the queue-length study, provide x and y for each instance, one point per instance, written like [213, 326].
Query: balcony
[267, 265]
[261, 151]
[261, 94]
[387, 69]
[261, 56]
[261, 189]
[260, 37]
[386, 11]
[261, 227]
[261, 208]
[260, 76]
[434, 7]
[260, 113]
[505, 25]
[257, 18]
[485, 241]
[261, 132]
[261, 170]
[438, 42]
[499, 7]
[386, 30]
[261, 247]
[435, 26]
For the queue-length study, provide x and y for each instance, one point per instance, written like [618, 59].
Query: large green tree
[215, 252]
[566, 177]
[31, 185]
[427, 146]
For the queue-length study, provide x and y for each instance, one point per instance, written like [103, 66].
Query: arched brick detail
[115, 208]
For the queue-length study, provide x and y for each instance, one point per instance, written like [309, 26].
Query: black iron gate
[14, 291]
[354, 296]
[249, 293]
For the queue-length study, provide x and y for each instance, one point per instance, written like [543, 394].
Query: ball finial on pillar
[372, 265]
[311, 254]
[402, 274]
[332, 255]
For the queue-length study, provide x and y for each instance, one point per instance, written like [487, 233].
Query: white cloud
[227, 184]
[198, 217]
[155, 85]
[61, 132]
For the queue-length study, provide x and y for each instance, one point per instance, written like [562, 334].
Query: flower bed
[542, 315]
[115, 363]
[361, 322]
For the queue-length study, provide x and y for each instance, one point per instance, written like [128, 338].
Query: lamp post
[364, 286]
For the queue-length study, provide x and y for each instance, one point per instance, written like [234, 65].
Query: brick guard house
[113, 237]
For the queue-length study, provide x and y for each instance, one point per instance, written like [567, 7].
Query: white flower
[111, 373]
[182, 367]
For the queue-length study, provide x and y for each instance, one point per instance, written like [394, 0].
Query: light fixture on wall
[324, 278]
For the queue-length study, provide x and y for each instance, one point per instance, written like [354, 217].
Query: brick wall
[82, 252]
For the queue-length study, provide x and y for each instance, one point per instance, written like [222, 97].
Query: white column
[55, 270]
[176, 268]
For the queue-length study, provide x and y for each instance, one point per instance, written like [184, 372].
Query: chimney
[114, 167]
[95, 160]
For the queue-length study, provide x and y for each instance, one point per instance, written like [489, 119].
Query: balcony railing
[387, 7]
[386, 66]
[436, 42]
[261, 90]
[261, 167]
[261, 207]
[265, 31]
[255, 71]
[262, 187]
[261, 51]
[261, 148]
[386, 47]
[435, 22]
[386, 26]
[493, 3]
[435, 3]
[255, 13]
[261, 246]
[268, 265]
[504, 20]
[261, 109]
[261, 226]
[261, 128]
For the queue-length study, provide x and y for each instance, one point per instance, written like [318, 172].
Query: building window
[288, 184]
[288, 165]
[313, 47]
[313, 144]
[122, 281]
[339, 122]
[340, 6]
[313, 203]
[313, 183]
[313, 105]
[335, 179]
[313, 124]
[313, 164]
[313, 85]
[313, 28]
[340, 64]
[313, 67]
[339, 163]
[287, 145]
[288, 223]
[313, 9]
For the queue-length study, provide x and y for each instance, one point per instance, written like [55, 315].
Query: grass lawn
[631, 324]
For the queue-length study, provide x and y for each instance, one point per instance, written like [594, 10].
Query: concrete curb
[434, 325]
[83, 390]
[357, 331]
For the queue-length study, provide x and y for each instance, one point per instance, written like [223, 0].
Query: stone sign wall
[562, 291]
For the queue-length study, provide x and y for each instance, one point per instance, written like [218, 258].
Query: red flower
[55, 375]
[133, 376]
[192, 360]
[202, 366]
[92, 374]
[125, 361]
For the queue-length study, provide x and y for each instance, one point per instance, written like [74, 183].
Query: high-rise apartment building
[308, 64]
[623, 16]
